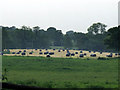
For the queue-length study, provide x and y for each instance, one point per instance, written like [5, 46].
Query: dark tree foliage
[80, 40]
[113, 38]
[26, 37]
[97, 28]
[55, 36]
[67, 41]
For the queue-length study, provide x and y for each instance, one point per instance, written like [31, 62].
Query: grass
[61, 72]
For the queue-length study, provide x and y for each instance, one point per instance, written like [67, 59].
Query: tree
[58, 40]
[67, 42]
[102, 27]
[5, 38]
[55, 36]
[51, 32]
[97, 28]
[80, 40]
[36, 28]
[36, 40]
[113, 38]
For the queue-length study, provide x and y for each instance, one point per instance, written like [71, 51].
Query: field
[61, 72]
[56, 53]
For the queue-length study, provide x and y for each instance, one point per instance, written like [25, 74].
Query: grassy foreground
[61, 72]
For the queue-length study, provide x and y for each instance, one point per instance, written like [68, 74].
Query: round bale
[13, 52]
[76, 52]
[81, 52]
[46, 52]
[93, 55]
[40, 50]
[85, 54]
[89, 51]
[30, 53]
[68, 54]
[51, 53]
[72, 54]
[109, 55]
[59, 50]
[40, 53]
[23, 53]
[81, 55]
[48, 56]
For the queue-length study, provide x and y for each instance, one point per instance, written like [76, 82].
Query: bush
[6, 52]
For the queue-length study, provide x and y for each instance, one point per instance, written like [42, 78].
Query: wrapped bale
[81, 55]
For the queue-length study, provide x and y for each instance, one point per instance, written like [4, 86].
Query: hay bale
[81, 55]
[59, 50]
[76, 52]
[100, 52]
[72, 54]
[13, 52]
[18, 53]
[85, 54]
[89, 51]
[40, 53]
[46, 52]
[93, 55]
[48, 56]
[30, 53]
[81, 52]
[68, 51]
[23, 53]
[63, 50]
[116, 54]
[68, 54]
[51, 53]
[40, 50]
[109, 55]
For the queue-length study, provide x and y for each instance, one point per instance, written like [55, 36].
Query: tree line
[97, 38]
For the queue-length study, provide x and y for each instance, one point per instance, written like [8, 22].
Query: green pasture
[61, 72]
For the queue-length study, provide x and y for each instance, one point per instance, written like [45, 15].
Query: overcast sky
[64, 15]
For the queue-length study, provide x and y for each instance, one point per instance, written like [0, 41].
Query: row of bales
[60, 53]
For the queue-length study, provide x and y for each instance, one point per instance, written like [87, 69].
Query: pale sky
[64, 15]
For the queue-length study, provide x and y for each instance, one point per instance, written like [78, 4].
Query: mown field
[59, 53]
[61, 72]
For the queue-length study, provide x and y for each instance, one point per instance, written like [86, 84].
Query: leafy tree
[80, 40]
[113, 38]
[58, 40]
[5, 38]
[51, 32]
[97, 28]
[67, 42]
[27, 37]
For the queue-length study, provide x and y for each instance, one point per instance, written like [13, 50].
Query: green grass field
[61, 72]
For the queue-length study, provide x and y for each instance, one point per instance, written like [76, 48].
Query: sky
[65, 15]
